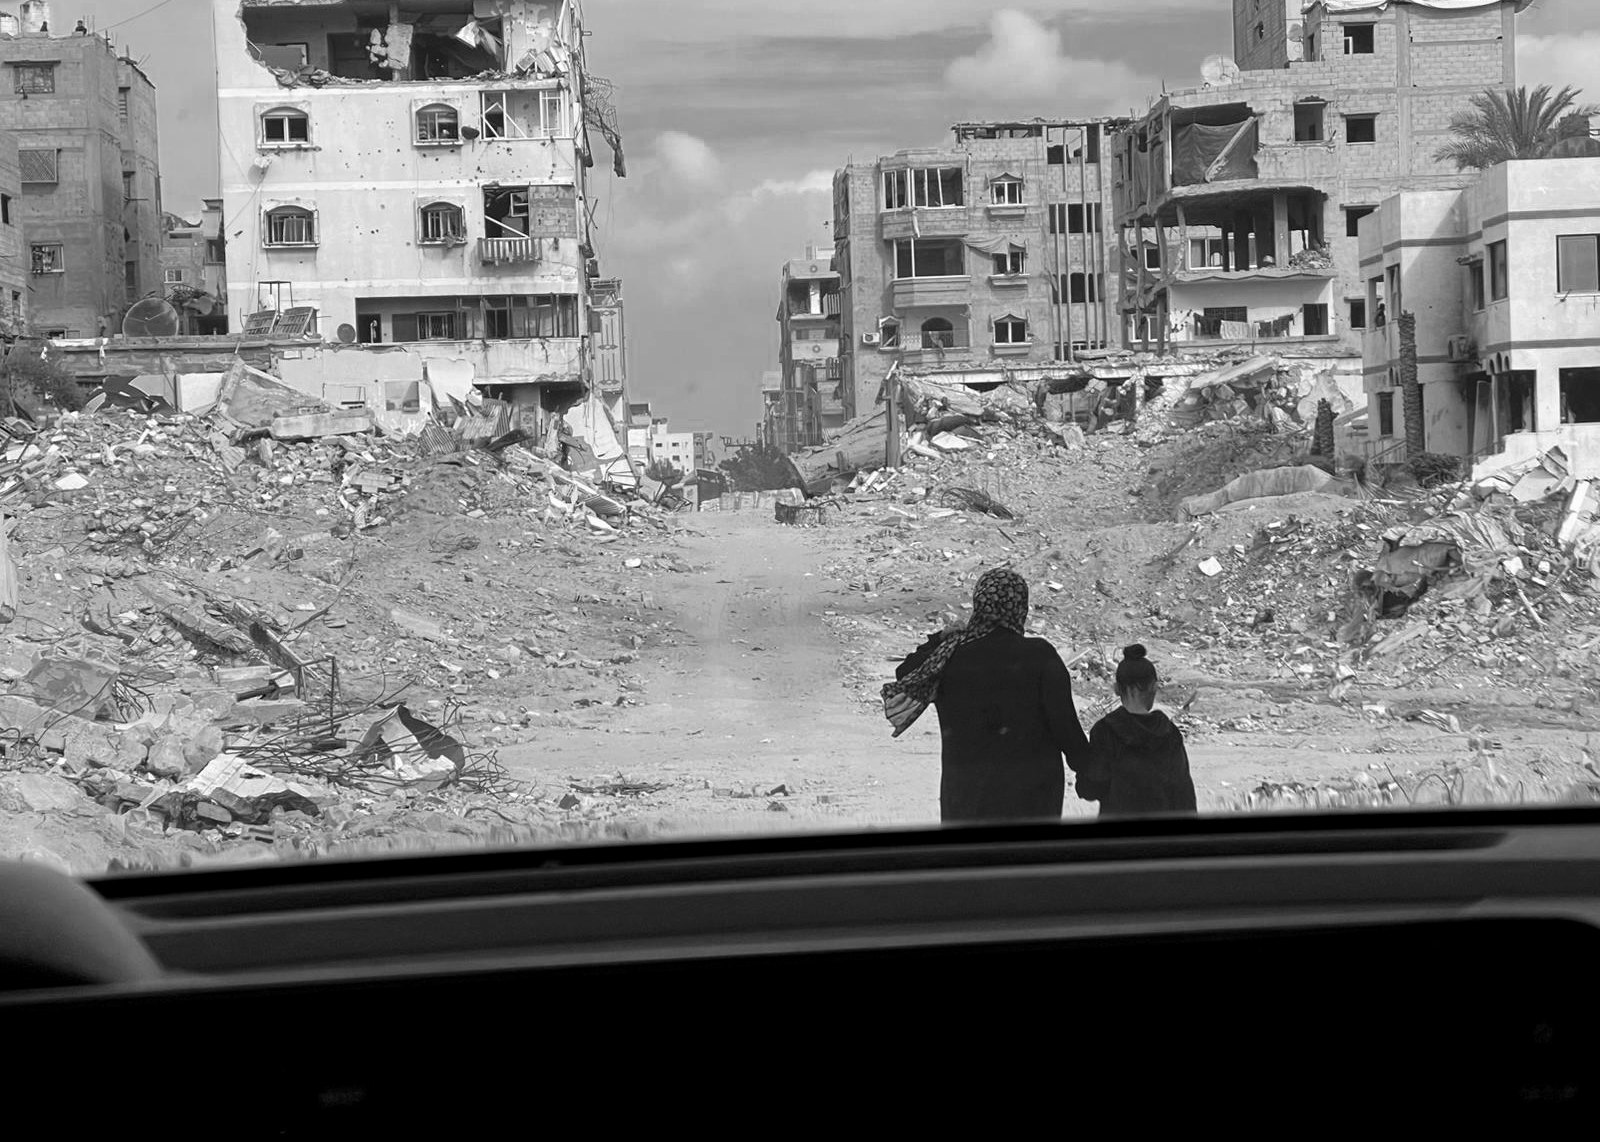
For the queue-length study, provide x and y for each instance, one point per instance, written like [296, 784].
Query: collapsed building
[1238, 204]
[408, 190]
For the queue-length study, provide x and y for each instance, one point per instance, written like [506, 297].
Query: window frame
[434, 109]
[1012, 263]
[124, 95]
[60, 266]
[1352, 219]
[55, 166]
[440, 208]
[218, 245]
[1498, 259]
[425, 331]
[911, 187]
[1594, 241]
[1357, 317]
[168, 279]
[1006, 190]
[286, 211]
[1385, 415]
[1010, 322]
[1371, 38]
[44, 68]
[286, 115]
[1370, 117]
[955, 243]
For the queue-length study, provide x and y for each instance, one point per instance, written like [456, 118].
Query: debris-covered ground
[223, 646]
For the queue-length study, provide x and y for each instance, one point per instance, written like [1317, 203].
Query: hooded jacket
[1138, 766]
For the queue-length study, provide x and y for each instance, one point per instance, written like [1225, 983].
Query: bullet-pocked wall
[444, 198]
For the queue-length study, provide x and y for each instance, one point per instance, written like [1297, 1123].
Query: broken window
[122, 104]
[1011, 330]
[1006, 191]
[284, 126]
[442, 222]
[216, 251]
[1352, 219]
[1499, 278]
[505, 212]
[405, 396]
[523, 114]
[1314, 319]
[438, 123]
[1083, 288]
[436, 326]
[1385, 414]
[1308, 121]
[554, 315]
[1358, 313]
[34, 78]
[889, 333]
[130, 277]
[172, 277]
[5, 209]
[1359, 39]
[1580, 396]
[1361, 128]
[1011, 262]
[127, 186]
[932, 187]
[290, 226]
[1204, 252]
[929, 258]
[938, 333]
[1578, 263]
[1075, 216]
[38, 165]
[497, 325]
[48, 258]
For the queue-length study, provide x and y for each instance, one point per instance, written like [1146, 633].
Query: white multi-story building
[415, 176]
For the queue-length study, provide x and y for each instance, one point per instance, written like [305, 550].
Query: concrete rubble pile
[233, 625]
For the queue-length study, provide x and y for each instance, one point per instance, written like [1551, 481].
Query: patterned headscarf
[999, 602]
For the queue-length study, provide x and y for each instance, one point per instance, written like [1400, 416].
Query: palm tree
[1515, 124]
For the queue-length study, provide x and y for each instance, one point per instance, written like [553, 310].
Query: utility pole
[891, 393]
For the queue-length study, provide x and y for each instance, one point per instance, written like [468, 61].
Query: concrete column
[1547, 399]
[1280, 228]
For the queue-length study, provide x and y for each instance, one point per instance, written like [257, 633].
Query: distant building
[88, 152]
[990, 254]
[194, 271]
[811, 402]
[1238, 203]
[419, 175]
[1503, 278]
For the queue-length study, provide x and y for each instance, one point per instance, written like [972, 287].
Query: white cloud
[813, 182]
[687, 158]
[1023, 59]
[1560, 61]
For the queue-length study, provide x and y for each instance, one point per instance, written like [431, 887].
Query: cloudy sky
[736, 112]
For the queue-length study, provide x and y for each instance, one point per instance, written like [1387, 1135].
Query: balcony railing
[507, 251]
[932, 339]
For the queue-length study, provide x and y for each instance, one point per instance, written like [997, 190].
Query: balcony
[924, 222]
[909, 293]
[508, 251]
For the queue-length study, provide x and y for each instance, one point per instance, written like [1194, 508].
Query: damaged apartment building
[408, 185]
[985, 258]
[82, 118]
[1238, 204]
[807, 399]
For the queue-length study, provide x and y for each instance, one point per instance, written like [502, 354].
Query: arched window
[285, 127]
[438, 124]
[1010, 330]
[289, 226]
[938, 333]
[441, 223]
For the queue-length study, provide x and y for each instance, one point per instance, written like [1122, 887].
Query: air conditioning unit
[869, 338]
[1461, 348]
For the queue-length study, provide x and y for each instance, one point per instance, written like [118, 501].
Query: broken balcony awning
[1265, 273]
[1000, 245]
[1204, 154]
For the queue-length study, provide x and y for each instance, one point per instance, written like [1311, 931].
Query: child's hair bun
[1134, 652]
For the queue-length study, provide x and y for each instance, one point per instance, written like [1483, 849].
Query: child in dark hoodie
[1138, 765]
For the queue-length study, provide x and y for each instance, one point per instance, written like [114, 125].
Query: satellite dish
[469, 133]
[347, 334]
[1219, 71]
[152, 317]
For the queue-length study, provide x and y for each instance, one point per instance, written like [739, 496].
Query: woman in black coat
[1005, 707]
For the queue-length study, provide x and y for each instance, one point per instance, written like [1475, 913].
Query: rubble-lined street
[230, 643]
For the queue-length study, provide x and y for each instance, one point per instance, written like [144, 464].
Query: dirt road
[757, 692]
[749, 699]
